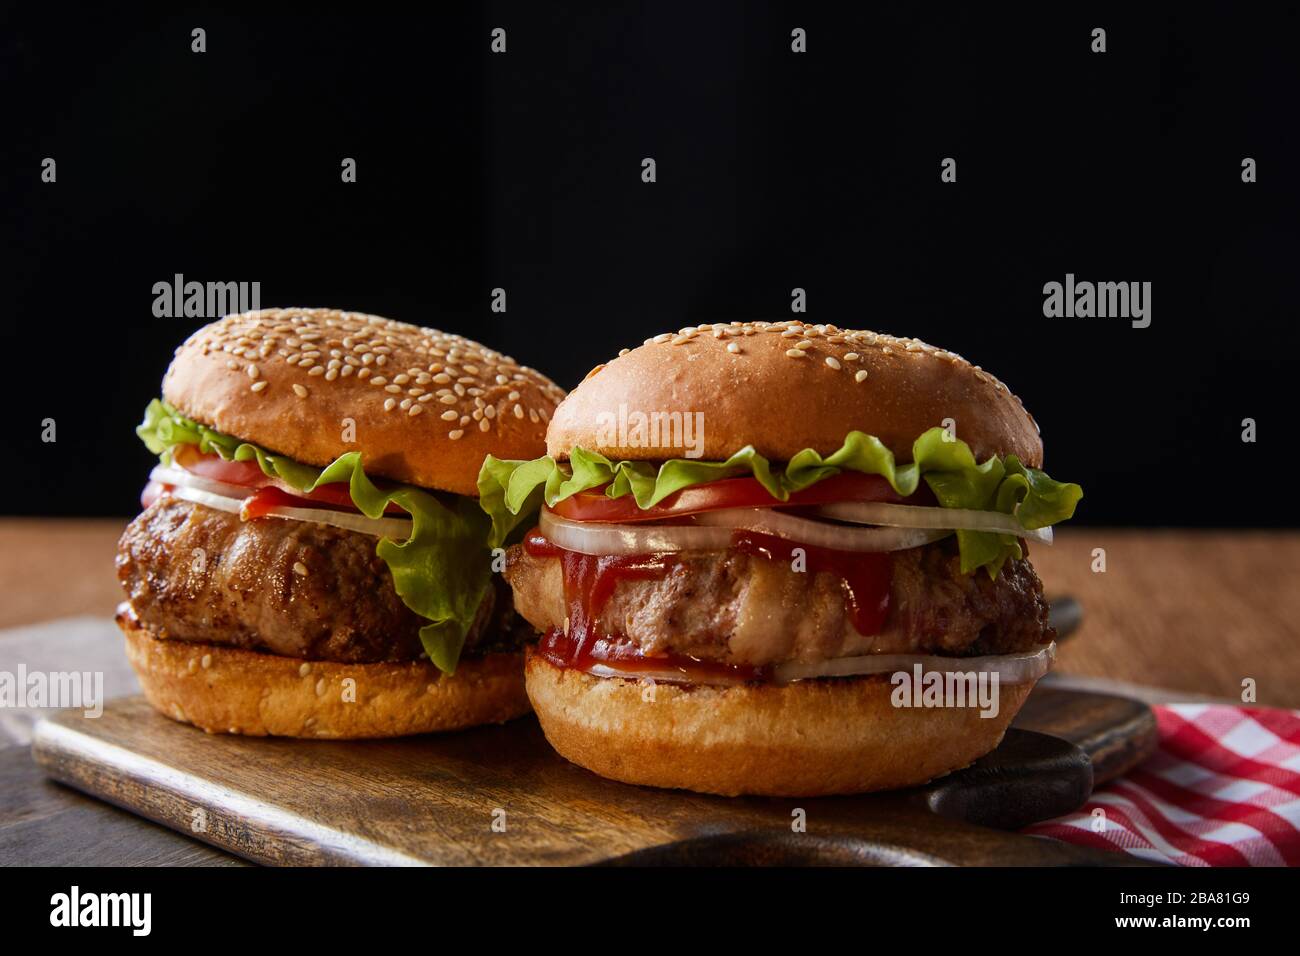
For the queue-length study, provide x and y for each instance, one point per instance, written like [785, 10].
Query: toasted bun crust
[288, 379]
[754, 388]
[231, 691]
[805, 739]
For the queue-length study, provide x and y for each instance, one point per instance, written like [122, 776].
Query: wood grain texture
[45, 824]
[1186, 610]
[1192, 611]
[435, 799]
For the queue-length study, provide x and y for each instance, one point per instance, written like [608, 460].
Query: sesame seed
[449, 416]
[805, 344]
[447, 399]
[851, 356]
[258, 386]
[794, 353]
[484, 424]
[733, 348]
[300, 390]
[861, 375]
[519, 411]
[832, 362]
[316, 370]
[453, 435]
[206, 661]
[300, 569]
[389, 404]
[415, 410]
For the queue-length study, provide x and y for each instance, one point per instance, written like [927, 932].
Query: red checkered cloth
[1223, 789]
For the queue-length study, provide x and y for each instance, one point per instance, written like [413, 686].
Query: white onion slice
[207, 498]
[1010, 668]
[666, 676]
[920, 516]
[712, 531]
[820, 533]
[396, 528]
[595, 538]
[179, 477]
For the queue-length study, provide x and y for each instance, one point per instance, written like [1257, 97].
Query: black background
[775, 170]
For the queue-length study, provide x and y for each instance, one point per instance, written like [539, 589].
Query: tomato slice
[152, 492]
[593, 505]
[245, 473]
[248, 474]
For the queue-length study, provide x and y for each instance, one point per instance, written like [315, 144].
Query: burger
[311, 560]
[782, 559]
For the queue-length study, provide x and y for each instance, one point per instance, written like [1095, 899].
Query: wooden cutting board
[501, 796]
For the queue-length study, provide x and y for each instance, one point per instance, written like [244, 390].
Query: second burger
[753, 535]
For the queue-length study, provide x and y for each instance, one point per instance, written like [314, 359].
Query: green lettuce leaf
[510, 491]
[442, 571]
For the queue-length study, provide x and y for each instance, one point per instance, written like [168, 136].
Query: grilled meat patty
[196, 574]
[744, 609]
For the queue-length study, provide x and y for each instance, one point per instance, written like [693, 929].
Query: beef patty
[196, 574]
[746, 609]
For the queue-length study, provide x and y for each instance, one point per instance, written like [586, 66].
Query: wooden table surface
[1192, 612]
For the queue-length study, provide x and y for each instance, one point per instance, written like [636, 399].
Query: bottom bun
[806, 739]
[227, 690]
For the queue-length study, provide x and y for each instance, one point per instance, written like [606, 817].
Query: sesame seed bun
[786, 386]
[810, 738]
[227, 690]
[426, 407]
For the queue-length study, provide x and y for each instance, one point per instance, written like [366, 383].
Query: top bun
[786, 386]
[426, 406]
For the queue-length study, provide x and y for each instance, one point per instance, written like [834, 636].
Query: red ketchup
[590, 580]
[264, 500]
